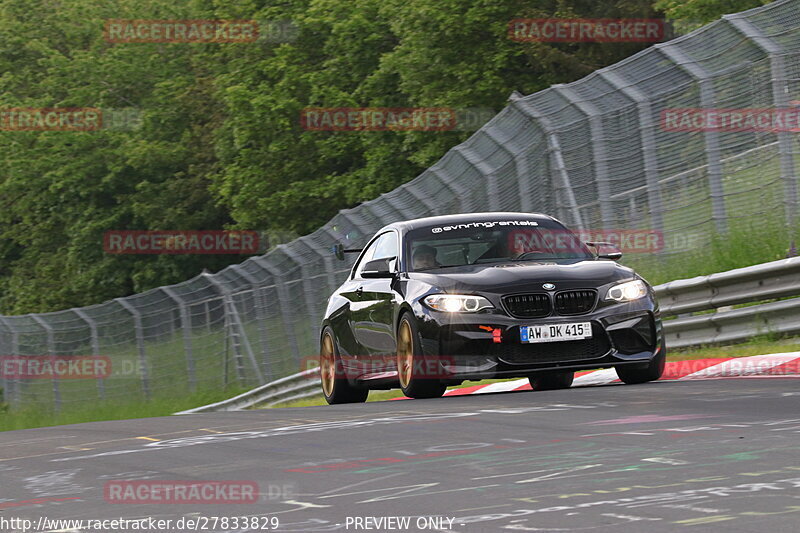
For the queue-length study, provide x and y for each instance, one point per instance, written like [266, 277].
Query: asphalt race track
[719, 455]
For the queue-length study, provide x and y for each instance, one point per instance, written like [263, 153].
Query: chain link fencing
[593, 153]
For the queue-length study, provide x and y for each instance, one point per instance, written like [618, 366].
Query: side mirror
[379, 268]
[606, 250]
[339, 250]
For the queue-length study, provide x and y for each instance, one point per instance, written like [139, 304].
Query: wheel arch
[404, 308]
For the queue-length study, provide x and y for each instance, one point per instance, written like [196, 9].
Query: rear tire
[555, 381]
[634, 374]
[414, 383]
[335, 386]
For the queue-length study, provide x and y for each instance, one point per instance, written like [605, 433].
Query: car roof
[462, 218]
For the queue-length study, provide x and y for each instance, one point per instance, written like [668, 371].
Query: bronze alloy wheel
[335, 385]
[405, 353]
[327, 364]
[412, 383]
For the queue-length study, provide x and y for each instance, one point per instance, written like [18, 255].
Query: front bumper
[466, 345]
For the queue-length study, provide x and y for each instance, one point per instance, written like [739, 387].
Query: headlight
[625, 292]
[457, 303]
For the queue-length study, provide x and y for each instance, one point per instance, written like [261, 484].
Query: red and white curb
[770, 365]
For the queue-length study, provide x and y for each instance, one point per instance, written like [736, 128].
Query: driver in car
[425, 257]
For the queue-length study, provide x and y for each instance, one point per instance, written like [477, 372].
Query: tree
[220, 144]
[699, 12]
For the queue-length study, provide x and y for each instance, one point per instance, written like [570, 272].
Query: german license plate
[555, 332]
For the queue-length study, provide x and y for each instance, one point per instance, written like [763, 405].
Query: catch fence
[595, 153]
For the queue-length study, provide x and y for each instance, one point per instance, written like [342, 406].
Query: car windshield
[491, 242]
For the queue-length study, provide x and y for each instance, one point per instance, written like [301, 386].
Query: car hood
[524, 276]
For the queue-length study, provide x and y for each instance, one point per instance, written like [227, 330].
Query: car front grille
[540, 305]
[528, 305]
[575, 302]
[554, 352]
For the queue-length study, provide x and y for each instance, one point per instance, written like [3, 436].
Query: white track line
[598, 377]
[502, 386]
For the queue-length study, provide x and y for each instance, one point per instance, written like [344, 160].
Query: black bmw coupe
[436, 301]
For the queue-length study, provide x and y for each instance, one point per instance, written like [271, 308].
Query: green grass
[757, 231]
[374, 396]
[38, 416]
[747, 243]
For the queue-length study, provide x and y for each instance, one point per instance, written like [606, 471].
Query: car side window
[386, 246]
[381, 248]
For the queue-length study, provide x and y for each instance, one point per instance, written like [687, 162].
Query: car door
[345, 319]
[373, 316]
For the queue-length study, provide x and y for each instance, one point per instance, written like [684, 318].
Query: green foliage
[746, 243]
[220, 144]
[60, 191]
[703, 11]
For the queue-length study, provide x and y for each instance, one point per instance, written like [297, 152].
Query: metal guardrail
[290, 388]
[758, 283]
[778, 279]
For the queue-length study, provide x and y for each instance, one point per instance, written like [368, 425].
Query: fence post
[370, 206]
[557, 167]
[648, 140]
[599, 154]
[780, 99]
[260, 297]
[137, 325]
[101, 388]
[207, 310]
[51, 351]
[284, 302]
[8, 390]
[356, 220]
[486, 171]
[707, 101]
[520, 164]
[186, 326]
[232, 335]
[431, 205]
[235, 330]
[328, 257]
[331, 281]
[311, 299]
[460, 192]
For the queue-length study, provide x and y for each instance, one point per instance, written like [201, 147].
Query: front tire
[634, 374]
[554, 381]
[335, 386]
[413, 382]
